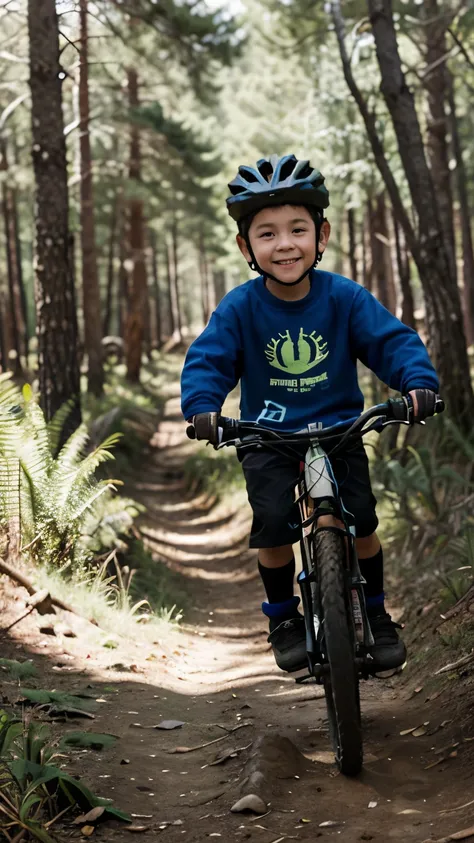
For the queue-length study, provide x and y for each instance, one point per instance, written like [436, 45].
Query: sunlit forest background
[122, 122]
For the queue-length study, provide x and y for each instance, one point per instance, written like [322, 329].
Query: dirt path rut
[217, 676]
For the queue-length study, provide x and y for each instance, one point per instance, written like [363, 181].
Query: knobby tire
[341, 683]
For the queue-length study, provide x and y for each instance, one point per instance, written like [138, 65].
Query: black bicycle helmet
[277, 181]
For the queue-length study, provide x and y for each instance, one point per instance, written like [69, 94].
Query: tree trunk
[443, 310]
[175, 281]
[90, 277]
[157, 333]
[382, 260]
[204, 281]
[15, 280]
[437, 143]
[56, 317]
[404, 275]
[218, 276]
[109, 297]
[352, 244]
[3, 345]
[465, 214]
[173, 328]
[135, 325]
[123, 286]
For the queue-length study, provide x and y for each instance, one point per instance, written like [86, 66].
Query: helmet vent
[247, 174]
[306, 171]
[265, 169]
[287, 168]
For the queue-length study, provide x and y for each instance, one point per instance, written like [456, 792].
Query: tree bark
[218, 276]
[5, 338]
[135, 325]
[446, 340]
[170, 292]
[15, 281]
[56, 317]
[204, 281]
[352, 244]
[90, 276]
[465, 214]
[109, 296]
[404, 275]
[177, 320]
[437, 143]
[382, 260]
[158, 334]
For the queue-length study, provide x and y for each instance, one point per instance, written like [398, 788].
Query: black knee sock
[372, 571]
[278, 582]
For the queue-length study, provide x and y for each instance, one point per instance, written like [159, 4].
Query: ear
[243, 247]
[324, 235]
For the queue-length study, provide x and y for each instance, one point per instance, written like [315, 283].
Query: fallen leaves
[416, 731]
[457, 835]
[91, 816]
[164, 724]
[228, 753]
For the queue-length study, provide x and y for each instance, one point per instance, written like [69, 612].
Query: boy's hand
[206, 426]
[424, 403]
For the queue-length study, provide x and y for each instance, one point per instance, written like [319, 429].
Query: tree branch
[369, 120]
[461, 46]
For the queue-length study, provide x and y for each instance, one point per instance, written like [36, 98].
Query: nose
[284, 243]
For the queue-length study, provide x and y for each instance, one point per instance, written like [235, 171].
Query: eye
[299, 230]
[266, 234]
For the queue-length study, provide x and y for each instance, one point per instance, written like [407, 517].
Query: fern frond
[72, 451]
[91, 463]
[10, 393]
[36, 423]
[56, 425]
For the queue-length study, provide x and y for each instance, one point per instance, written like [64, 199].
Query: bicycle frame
[317, 495]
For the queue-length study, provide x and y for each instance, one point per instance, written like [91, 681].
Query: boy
[292, 337]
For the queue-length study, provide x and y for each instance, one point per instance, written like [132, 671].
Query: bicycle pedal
[301, 680]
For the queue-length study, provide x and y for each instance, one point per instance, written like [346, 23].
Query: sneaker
[288, 640]
[389, 651]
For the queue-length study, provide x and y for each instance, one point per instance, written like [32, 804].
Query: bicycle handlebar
[393, 411]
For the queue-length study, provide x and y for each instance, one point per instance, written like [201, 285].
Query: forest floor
[216, 674]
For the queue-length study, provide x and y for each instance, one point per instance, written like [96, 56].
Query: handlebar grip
[440, 406]
[191, 431]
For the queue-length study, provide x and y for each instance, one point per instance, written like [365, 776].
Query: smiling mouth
[288, 262]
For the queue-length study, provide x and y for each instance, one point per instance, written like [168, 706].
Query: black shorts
[271, 479]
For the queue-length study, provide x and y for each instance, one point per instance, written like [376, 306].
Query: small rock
[251, 802]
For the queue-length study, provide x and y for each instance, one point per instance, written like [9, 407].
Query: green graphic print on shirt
[297, 358]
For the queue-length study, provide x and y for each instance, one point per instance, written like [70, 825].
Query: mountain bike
[338, 634]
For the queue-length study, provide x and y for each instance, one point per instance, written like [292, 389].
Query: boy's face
[283, 241]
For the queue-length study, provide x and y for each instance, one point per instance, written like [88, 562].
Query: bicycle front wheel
[341, 682]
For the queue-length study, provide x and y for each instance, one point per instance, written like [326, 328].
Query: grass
[142, 596]
[218, 472]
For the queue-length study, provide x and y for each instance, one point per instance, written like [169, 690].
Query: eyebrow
[271, 224]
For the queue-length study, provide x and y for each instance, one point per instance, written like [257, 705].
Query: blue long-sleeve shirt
[297, 360]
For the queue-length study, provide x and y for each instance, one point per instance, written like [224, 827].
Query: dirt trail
[217, 671]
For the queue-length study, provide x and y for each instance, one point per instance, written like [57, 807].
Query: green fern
[55, 498]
